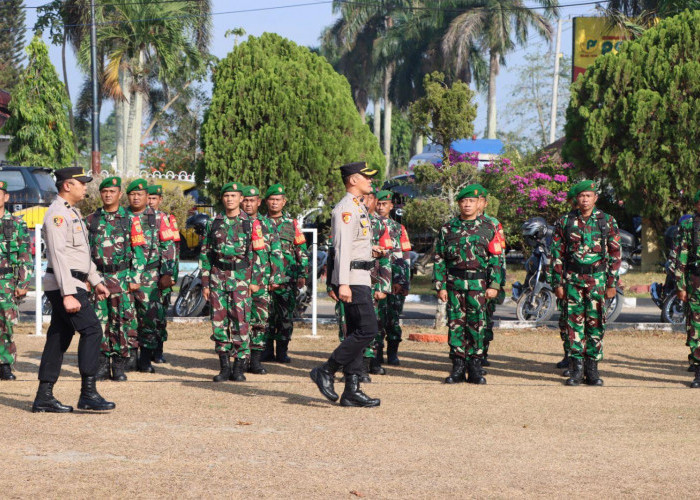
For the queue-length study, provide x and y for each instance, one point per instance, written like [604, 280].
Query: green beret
[471, 191]
[155, 189]
[111, 182]
[231, 187]
[3, 185]
[581, 187]
[374, 190]
[275, 189]
[137, 185]
[384, 195]
[250, 191]
[697, 196]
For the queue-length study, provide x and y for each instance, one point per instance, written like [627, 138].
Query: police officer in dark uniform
[69, 270]
[351, 232]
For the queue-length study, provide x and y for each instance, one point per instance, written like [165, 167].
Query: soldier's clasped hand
[345, 293]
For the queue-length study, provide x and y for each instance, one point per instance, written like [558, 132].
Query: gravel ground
[524, 434]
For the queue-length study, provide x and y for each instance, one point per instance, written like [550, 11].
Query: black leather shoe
[256, 366]
[118, 366]
[365, 378]
[238, 370]
[324, 377]
[145, 361]
[576, 372]
[354, 397]
[476, 375]
[457, 374]
[696, 381]
[6, 372]
[282, 347]
[268, 353]
[591, 372]
[225, 364]
[392, 353]
[103, 367]
[375, 366]
[45, 402]
[90, 398]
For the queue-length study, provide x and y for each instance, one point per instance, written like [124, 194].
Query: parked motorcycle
[664, 294]
[190, 300]
[628, 246]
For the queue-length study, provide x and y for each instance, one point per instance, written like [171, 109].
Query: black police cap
[76, 173]
[358, 167]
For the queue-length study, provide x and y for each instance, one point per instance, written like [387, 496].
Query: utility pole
[555, 86]
[95, 110]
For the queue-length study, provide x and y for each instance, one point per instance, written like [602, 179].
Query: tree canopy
[280, 113]
[11, 42]
[634, 119]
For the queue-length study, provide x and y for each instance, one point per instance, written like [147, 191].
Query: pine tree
[38, 122]
[11, 42]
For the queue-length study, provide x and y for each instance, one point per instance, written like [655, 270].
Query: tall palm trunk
[377, 124]
[388, 75]
[70, 108]
[491, 109]
[122, 111]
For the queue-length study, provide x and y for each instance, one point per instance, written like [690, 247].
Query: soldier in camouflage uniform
[467, 274]
[687, 274]
[272, 279]
[585, 270]
[116, 249]
[158, 270]
[15, 275]
[295, 268]
[561, 306]
[233, 260]
[492, 303]
[155, 199]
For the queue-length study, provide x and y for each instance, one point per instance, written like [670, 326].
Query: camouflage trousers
[465, 321]
[282, 304]
[563, 330]
[163, 317]
[8, 316]
[585, 318]
[371, 350]
[390, 310]
[692, 320]
[116, 314]
[259, 316]
[148, 307]
[490, 311]
[230, 313]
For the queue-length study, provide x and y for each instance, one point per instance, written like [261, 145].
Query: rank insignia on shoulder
[58, 221]
[356, 201]
[346, 217]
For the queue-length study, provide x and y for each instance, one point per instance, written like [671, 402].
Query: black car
[28, 186]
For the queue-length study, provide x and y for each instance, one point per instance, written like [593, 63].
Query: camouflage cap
[111, 182]
[155, 189]
[231, 187]
[385, 195]
[137, 185]
[3, 185]
[275, 189]
[250, 191]
[471, 191]
[697, 196]
[582, 187]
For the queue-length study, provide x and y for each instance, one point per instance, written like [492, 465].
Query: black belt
[76, 274]
[578, 268]
[111, 268]
[466, 274]
[238, 265]
[364, 265]
[6, 270]
[152, 265]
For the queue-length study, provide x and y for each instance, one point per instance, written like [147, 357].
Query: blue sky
[304, 25]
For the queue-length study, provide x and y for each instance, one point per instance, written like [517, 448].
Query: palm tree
[496, 26]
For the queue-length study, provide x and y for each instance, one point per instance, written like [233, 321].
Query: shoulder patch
[58, 221]
[346, 217]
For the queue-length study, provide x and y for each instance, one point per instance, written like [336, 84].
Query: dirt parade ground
[524, 434]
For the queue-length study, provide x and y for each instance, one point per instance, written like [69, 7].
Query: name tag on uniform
[77, 228]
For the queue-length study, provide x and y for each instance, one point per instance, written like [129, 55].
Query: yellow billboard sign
[593, 37]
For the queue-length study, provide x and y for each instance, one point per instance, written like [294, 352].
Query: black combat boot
[457, 374]
[269, 353]
[225, 372]
[118, 367]
[590, 368]
[564, 363]
[696, 381]
[485, 359]
[90, 398]
[476, 375]
[238, 370]
[158, 354]
[103, 367]
[145, 361]
[353, 395]
[365, 378]
[255, 364]
[380, 353]
[46, 403]
[576, 372]
[6, 372]
[282, 346]
[132, 364]
[375, 366]
[392, 353]
[324, 377]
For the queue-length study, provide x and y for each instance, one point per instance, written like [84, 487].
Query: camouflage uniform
[166, 293]
[585, 265]
[158, 260]
[492, 303]
[15, 272]
[233, 257]
[467, 255]
[687, 274]
[116, 247]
